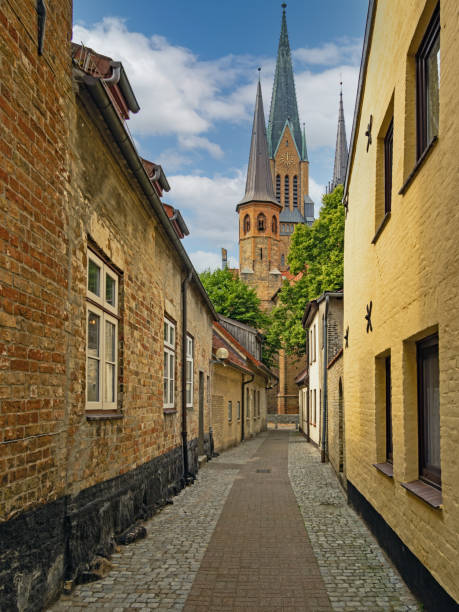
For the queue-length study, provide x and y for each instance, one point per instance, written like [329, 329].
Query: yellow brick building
[401, 381]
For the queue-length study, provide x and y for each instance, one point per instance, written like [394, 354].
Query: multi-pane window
[189, 371]
[389, 446]
[295, 191]
[428, 84]
[278, 187]
[238, 410]
[429, 410]
[169, 365]
[388, 156]
[230, 411]
[286, 190]
[102, 335]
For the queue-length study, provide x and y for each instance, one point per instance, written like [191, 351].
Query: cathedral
[276, 199]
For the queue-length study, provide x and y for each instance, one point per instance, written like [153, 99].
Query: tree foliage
[317, 251]
[232, 298]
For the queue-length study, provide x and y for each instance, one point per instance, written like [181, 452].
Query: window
[283, 260]
[246, 224]
[169, 364]
[314, 342]
[261, 253]
[388, 156]
[238, 411]
[247, 403]
[428, 85]
[389, 448]
[102, 335]
[315, 406]
[189, 371]
[295, 191]
[286, 191]
[261, 222]
[230, 411]
[429, 410]
[278, 187]
[258, 403]
[274, 225]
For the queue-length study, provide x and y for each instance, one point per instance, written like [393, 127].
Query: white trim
[189, 359]
[169, 364]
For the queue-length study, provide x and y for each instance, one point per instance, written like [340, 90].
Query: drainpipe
[323, 455]
[185, 282]
[246, 382]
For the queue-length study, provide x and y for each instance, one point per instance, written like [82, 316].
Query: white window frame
[98, 305]
[169, 330]
[189, 359]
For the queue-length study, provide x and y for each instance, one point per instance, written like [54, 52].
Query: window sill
[103, 415]
[385, 468]
[427, 493]
[170, 410]
[382, 225]
[417, 165]
[188, 407]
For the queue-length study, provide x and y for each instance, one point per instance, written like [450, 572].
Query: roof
[302, 376]
[313, 306]
[237, 323]
[156, 174]
[253, 361]
[283, 102]
[334, 359]
[341, 152]
[177, 220]
[259, 185]
[234, 358]
[291, 215]
[362, 74]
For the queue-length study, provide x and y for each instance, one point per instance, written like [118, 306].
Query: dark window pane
[93, 278]
[389, 448]
[110, 286]
[433, 85]
[388, 153]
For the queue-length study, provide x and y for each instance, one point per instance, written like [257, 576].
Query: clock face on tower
[286, 160]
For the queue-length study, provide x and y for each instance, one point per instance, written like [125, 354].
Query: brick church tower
[276, 199]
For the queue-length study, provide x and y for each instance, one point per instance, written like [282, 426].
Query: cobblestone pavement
[166, 570]
[157, 573]
[356, 573]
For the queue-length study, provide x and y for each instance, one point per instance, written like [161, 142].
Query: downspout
[185, 282]
[323, 455]
[246, 382]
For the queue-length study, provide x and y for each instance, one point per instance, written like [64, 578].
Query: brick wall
[335, 419]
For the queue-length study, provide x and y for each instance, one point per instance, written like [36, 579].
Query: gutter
[104, 104]
[186, 471]
[244, 383]
[323, 454]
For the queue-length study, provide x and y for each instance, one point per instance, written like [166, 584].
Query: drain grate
[264, 471]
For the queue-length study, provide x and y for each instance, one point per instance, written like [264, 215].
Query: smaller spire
[259, 73]
[304, 148]
[341, 151]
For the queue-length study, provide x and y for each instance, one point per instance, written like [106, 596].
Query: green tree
[317, 251]
[232, 298]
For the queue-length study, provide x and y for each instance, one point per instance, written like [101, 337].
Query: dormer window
[261, 222]
[246, 224]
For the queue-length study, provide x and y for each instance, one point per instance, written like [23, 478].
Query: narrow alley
[266, 526]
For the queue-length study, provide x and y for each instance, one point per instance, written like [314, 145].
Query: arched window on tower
[282, 261]
[274, 225]
[261, 222]
[295, 191]
[246, 224]
[278, 184]
[286, 191]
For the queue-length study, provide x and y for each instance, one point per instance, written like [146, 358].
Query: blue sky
[193, 67]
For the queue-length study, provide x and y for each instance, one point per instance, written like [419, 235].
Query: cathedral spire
[341, 152]
[283, 102]
[259, 185]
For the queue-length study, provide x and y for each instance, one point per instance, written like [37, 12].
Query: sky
[193, 68]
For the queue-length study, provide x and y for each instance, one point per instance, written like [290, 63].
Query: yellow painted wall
[411, 274]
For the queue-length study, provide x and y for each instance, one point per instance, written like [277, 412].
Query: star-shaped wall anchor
[368, 317]
[368, 132]
[346, 337]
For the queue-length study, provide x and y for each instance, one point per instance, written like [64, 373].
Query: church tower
[287, 149]
[259, 216]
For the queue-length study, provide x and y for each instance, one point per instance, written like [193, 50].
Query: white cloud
[209, 260]
[316, 191]
[208, 205]
[199, 142]
[344, 51]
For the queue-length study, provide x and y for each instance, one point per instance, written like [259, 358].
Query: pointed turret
[341, 152]
[283, 102]
[259, 185]
[304, 148]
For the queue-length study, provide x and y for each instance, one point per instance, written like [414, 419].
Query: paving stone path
[236, 540]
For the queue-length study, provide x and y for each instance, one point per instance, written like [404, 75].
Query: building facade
[401, 278]
[106, 330]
